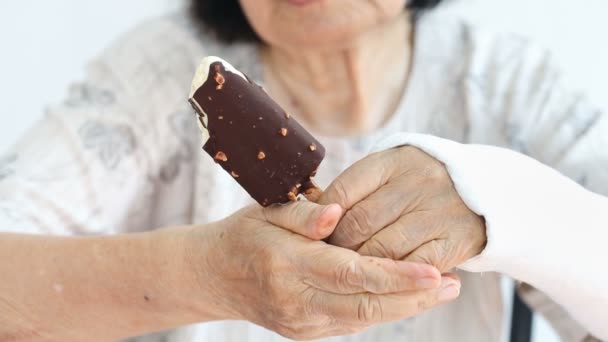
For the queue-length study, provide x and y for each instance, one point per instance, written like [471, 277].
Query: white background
[45, 45]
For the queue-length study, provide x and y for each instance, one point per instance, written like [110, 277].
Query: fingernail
[427, 283]
[449, 291]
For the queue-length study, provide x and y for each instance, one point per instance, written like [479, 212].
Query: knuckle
[349, 275]
[435, 172]
[369, 310]
[378, 248]
[271, 213]
[441, 254]
[356, 226]
[268, 261]
[339, 191]
[441, 248]
[418, 227]
[310, 300]
[422, 258]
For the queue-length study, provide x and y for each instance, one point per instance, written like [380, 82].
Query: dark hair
[225, 18]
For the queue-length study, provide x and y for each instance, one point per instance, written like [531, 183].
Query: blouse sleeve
[116, 155]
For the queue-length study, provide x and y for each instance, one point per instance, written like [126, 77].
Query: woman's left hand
[401, 204]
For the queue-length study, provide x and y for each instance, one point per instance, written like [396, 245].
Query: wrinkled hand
[401, 204]
[266, 271]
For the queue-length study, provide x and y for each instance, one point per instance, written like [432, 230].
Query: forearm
[64, 288]
[542, 228]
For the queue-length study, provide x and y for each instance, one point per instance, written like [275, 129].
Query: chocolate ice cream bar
[251, 137]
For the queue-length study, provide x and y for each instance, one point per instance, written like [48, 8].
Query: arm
[68, 289]
[246, 267]
[94, 165]
[542, 228]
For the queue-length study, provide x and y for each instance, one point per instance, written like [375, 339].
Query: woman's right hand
[268, 266]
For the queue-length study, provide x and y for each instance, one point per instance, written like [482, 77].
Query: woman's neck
[346, 91]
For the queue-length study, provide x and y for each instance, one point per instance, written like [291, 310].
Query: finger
[370, 173]
[402, 237]
[358, 181]
[369, 308]
[377, 211]
[343, 271]
[308, 219]
[438, 253]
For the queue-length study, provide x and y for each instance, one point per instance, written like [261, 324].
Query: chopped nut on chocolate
[283, 132]
[292, 197]
[312, 147]
[287, 116]
[209, 97]
[219, 78]
[221, 156]
[234, 174]
[313, 193]
[221, 117]
[261, 155]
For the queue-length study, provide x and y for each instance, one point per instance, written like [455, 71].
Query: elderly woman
[121, 155]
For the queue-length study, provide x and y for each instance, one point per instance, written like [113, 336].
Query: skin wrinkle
[360, 101]
[282, 315]
[359, 222]
[406, 204]
[313, 74]
[434, 227]
[376, 247]
[436, 246]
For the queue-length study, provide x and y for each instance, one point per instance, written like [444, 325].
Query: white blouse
[122, 154]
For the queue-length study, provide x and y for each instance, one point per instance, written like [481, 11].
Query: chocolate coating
[264, 149]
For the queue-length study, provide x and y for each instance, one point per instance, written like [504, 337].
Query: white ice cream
[201, 75]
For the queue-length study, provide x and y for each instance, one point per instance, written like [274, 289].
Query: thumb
[306, 218]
